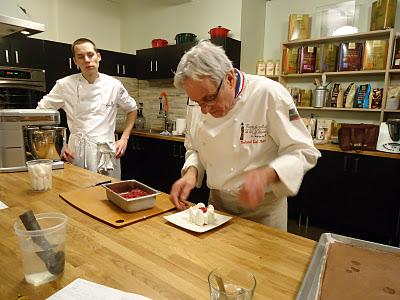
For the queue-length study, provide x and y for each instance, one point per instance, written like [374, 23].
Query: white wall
[252, 33]
[147, 20]
[277, 16]
[67, 20]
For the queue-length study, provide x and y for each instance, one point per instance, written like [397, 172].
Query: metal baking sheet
[309, 289]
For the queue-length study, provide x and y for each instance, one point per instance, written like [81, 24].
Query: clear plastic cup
[43, 251]
[231, 283]
[40, 173]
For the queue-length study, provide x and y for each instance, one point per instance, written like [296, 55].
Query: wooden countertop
[152, 257]
[324, 147]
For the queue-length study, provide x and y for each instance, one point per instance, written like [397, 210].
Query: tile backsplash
[148, 92]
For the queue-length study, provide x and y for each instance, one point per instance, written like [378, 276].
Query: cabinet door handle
[156, 66]
[16, 57]
[123, 69]
[356, 164]
[345, 163]
[151, 66]
[174, 151]
[117, 68]
[70, 63]
[7, 57]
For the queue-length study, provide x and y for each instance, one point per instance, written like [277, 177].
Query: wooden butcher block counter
[152, 257]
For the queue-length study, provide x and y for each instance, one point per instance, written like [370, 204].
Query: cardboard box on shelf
[350, 56]
[290, 62]
[299, 27]
[375, 54]
[326, 58]
[307, 56]
[383, 14]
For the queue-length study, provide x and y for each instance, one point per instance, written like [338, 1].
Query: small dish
[181, 219]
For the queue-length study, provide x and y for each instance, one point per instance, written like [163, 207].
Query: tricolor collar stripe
[240, 83]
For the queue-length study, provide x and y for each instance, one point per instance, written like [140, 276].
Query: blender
[389, 136]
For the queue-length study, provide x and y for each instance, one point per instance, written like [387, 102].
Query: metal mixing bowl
[46, 142]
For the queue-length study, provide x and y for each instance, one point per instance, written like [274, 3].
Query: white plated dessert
[202, 215]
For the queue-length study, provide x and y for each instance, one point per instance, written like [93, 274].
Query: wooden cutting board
[93, 201]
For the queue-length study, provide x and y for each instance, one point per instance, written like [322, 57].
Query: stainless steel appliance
[389, 136]
[27, 134]
[21, 88]
[14, 19]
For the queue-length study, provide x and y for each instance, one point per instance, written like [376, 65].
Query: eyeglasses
[211, 99]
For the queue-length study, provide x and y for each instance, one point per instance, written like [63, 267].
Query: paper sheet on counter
[2, 205]
[81, 289]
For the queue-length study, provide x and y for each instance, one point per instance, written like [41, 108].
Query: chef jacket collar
[240, 82]
[83, 79]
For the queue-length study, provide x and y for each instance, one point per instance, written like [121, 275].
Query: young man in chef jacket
[245, 132]
[90, 100]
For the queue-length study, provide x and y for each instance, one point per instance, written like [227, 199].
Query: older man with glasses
[245, 132]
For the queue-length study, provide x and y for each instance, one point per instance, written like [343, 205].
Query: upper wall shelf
[341, 38]
[332, 74]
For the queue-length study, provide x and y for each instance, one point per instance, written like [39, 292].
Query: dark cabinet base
[349, 194]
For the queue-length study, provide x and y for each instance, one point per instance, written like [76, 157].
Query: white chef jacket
[91, 111]
[262, 129]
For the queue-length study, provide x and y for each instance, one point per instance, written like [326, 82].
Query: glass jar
[269, 71]
[260, 69]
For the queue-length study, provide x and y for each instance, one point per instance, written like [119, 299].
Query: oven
[21, 88]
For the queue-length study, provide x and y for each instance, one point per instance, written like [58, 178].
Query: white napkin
[106, 153]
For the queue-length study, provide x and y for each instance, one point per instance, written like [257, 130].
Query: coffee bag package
[295, 92]
[375, 54]
[375, 98]
[326, 58]
[350, 56]
[307, 56]
[383, 14]
[349, 94]
[290, 60]
[362, 96]
[396, 54]
[336, 92]
[306, 98]
[299, 27]
[326, 124]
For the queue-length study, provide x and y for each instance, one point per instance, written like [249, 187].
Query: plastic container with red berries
[131, 195]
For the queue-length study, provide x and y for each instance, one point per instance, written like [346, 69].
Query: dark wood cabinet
[158, 63]
[350, 194]
[232, 48]
[21, 52]
[58, 64]
[117, 64]
[157, 163]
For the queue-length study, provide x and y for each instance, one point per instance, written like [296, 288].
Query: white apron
[95, 153]
[272, 210]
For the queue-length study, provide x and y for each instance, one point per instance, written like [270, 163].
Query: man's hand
[120, 147]
[68, 154]
[181, 189]
[255, 185]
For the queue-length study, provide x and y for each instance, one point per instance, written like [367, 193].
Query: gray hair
[203, 60]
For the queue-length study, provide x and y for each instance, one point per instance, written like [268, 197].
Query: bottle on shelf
[140, 123]
[311, 126]
[260, 69]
